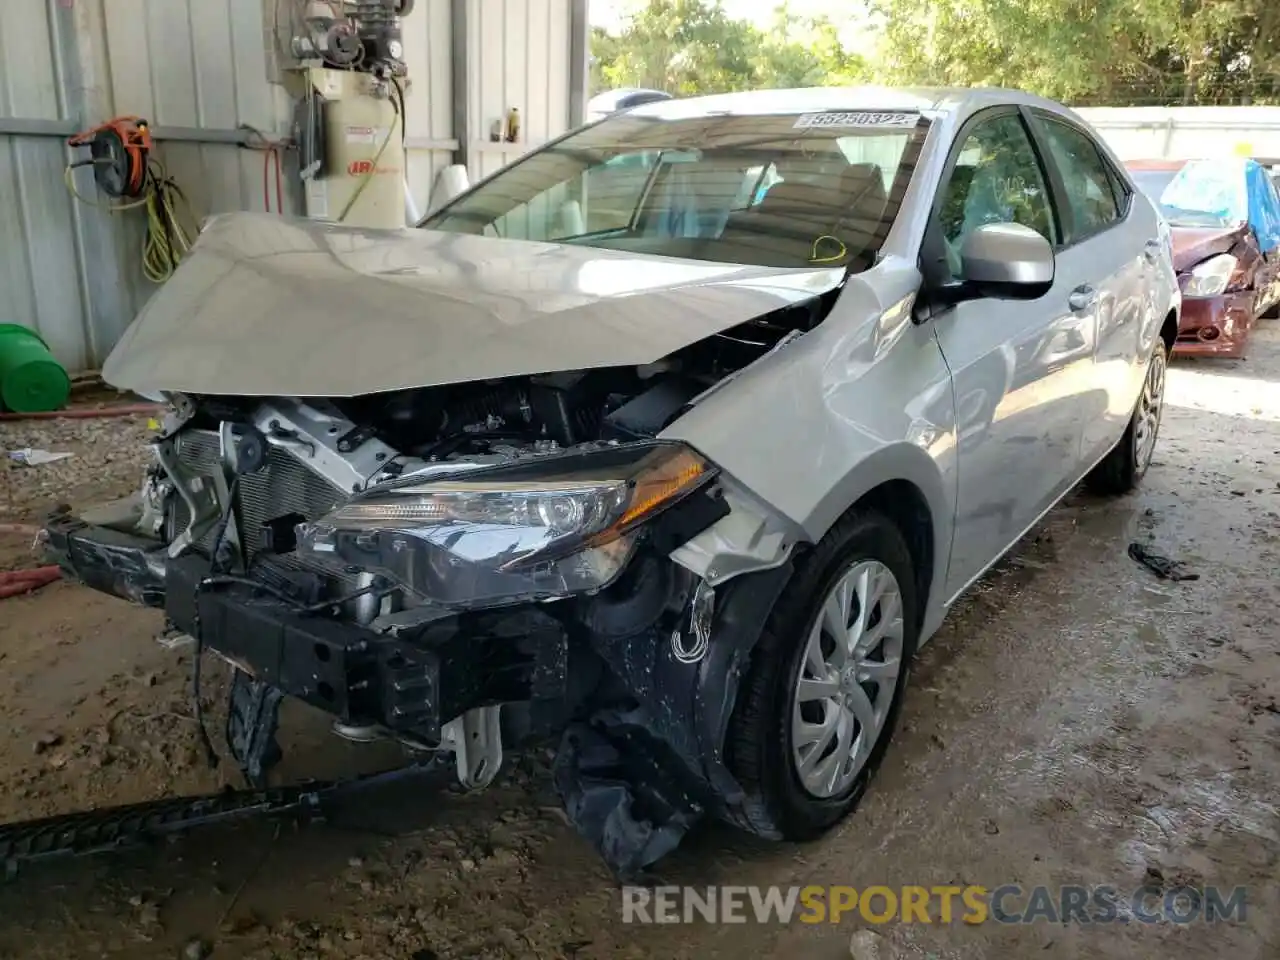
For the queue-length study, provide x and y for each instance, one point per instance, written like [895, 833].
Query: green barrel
[31, 381]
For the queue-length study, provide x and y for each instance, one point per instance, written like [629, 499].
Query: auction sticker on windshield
[857, 118]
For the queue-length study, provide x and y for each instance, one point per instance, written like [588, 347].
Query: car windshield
[1154, 183]
[777, 190]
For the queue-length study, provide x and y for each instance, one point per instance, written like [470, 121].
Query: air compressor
[349, 82]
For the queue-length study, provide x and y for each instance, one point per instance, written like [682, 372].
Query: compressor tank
[363, 173]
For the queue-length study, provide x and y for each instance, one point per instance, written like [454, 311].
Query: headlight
[1210, 278]
[534, 530]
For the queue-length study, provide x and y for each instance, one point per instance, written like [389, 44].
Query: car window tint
[996, 179]
[1084, 174]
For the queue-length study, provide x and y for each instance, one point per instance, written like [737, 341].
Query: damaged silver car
[669, 443]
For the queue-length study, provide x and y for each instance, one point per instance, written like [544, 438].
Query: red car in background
[1227, 281]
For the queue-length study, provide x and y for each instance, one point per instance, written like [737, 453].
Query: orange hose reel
[119, 150]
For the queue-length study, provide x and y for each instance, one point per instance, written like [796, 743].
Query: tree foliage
[1097, 51]
[1081, 51]
[690, 47]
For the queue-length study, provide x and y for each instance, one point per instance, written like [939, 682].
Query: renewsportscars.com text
[1009, 903]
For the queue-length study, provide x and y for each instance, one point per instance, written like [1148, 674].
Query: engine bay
[308, 455]
[544, 413]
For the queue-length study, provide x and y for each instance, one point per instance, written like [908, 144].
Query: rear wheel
[822, 696]
[1123, 468]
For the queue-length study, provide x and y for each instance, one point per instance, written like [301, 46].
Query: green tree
[839, 66]
[605, 50]
[688, 47]
[1096, 51]
[1060, 48]
[681, 46]
[1081, 51]
[800, 52]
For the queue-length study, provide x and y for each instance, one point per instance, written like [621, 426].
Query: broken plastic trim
[636, 776]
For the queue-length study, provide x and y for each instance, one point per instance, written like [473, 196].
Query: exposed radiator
[285, 485]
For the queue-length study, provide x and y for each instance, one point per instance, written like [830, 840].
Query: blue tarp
[1237, 190]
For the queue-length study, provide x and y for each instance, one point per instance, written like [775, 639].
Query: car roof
[936, 101]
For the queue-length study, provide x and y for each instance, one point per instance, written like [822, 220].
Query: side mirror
[1008, 261]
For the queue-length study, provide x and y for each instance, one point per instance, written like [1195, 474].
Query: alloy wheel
[1150, 407]
[847, 679]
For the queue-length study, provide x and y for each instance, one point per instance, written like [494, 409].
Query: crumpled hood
[1193, 244]
[271, 306]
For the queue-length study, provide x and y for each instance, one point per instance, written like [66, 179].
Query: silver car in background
[613, 101]
[672, 441]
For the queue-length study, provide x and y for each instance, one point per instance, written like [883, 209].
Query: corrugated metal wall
[206, 68]
[202, 64]
[429, 102]
[520, 47]
[40, 266]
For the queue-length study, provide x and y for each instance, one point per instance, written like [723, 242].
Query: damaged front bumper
[641, 711]
[106, 559]
[412, 686]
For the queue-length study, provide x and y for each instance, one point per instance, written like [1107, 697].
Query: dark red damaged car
[1225, 218]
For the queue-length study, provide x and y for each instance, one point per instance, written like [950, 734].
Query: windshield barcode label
[857, 118]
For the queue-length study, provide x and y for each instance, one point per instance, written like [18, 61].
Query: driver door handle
[1152, 251]
[1082, 297]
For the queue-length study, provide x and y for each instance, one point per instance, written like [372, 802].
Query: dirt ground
[1076, 721]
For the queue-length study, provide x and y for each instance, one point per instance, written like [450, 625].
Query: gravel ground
[107, 459]
[1075, 721]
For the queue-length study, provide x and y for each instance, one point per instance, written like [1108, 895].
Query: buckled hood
[271, 306]
[1193, 244]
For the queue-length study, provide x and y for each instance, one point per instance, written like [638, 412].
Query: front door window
[996, 179]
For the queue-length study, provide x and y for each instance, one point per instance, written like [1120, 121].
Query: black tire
[758, 747]
[1121, 470]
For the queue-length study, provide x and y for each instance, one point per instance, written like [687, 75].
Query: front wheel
[820, 701]
[1123, 468]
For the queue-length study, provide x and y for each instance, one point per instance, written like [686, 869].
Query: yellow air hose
[167, 238]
